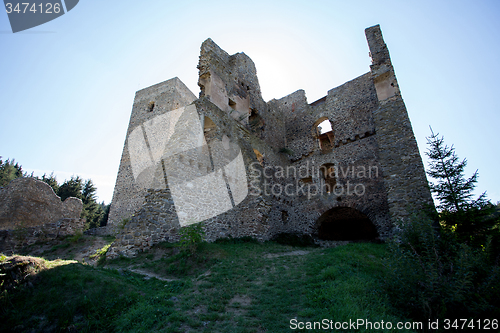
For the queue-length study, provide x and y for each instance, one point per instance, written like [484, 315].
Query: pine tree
[92, 211]
[51, 180]
[9, 170]
[71, 188]
[458, 210]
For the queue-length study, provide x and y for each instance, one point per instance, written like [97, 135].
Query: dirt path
[148, 275]
[292, 253]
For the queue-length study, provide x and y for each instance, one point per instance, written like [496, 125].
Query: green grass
[228, 286]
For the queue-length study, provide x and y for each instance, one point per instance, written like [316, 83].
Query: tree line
[95, 213]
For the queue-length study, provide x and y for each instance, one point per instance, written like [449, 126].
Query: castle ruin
[344, 167]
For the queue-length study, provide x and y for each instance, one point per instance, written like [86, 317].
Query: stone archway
[345, 223]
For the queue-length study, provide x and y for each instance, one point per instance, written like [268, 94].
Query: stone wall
[401, 164]
[30, 211]
[155, 222]
[28, 202]
[149, 103]
[11, 241]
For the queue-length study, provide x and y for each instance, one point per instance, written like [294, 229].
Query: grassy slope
[225, 287]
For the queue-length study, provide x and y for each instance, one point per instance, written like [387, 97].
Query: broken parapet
[28, 202]
[30, 211]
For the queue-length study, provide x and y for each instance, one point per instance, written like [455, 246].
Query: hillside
[228, 286]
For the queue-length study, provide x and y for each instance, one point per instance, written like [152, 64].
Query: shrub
[123, 223]
[191, 236]
[75, 238]
[432, 276]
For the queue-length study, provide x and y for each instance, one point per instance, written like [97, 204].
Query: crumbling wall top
[229, 81]
[28, 202]
[378, 49]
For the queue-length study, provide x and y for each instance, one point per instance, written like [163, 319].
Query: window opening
[151, 106]
[324, 134]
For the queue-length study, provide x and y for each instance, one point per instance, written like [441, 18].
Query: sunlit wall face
[205, 178]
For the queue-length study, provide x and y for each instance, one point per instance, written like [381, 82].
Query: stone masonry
[344, 167]
[30, 211]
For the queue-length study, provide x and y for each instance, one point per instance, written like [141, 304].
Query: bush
[191, 236]
[432, 276]
[75, 238]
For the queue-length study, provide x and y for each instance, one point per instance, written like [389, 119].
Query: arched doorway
[345, 223]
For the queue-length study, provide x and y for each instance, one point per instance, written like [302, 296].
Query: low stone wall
[27, 202]
[13, 240]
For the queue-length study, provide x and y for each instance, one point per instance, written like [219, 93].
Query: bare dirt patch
[238, 303]
[241, 300]
[148, 275]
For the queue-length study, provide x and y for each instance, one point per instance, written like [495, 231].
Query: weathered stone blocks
[28, 202]
[30, 211]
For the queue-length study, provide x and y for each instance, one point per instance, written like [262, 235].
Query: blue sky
[67, 86]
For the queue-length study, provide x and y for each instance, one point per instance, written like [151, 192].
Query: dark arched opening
[345, 223]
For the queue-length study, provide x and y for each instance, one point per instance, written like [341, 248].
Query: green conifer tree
[9, 170]
[458, 210]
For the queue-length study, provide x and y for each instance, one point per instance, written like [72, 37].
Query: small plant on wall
[287, 151]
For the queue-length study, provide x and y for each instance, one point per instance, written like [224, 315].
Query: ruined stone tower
[343, 167]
